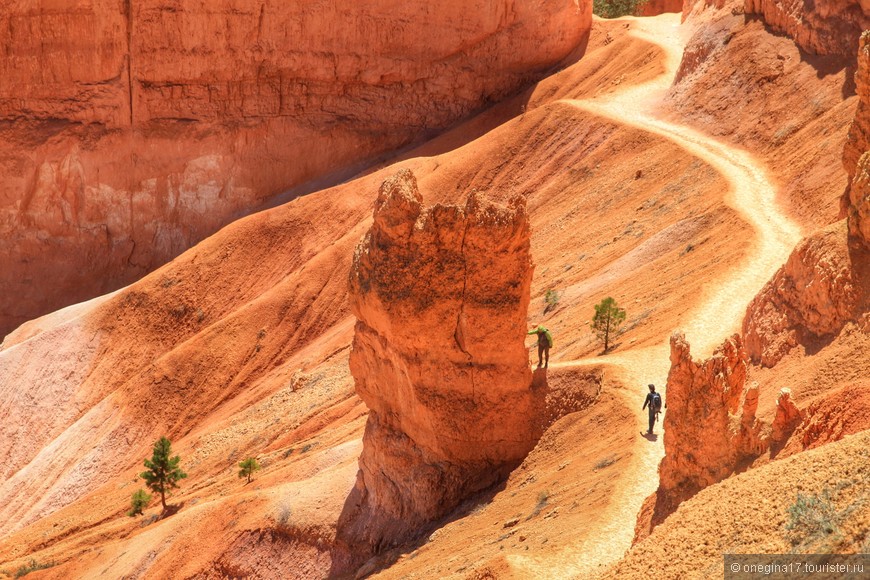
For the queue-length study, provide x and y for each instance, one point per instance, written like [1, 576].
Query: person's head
[652, 388]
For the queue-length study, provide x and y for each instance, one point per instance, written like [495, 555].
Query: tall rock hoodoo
[710, 424]
[441, 296]
[711, 428]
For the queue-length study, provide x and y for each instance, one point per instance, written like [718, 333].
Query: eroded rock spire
[441, 296]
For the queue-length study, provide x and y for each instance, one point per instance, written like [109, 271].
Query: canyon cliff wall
[656, 7]
[827, 27]
[856, 199]
[858, 208]
[858, 140]
[132, 130]
[441, 296]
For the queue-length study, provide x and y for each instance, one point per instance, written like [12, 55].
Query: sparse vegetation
[784, 133]
[543, 499]
[811, 517]
[138, 502]
[479, 508]
[551, 299]
[607, 321]
[31, 566]
[606, 462]
[285, 513]
[163, 472]
[616, 8]
[248, 467]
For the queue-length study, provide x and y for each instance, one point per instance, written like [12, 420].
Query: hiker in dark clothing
[654, 402]
[545, 341]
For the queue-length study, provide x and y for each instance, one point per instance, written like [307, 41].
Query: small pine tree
[248, 467]
[163, 472]
[138, 502]
[607, 320]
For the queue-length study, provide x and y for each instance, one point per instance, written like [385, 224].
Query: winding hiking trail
[719, 313]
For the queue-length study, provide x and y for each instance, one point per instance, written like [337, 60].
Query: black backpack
[657, 402]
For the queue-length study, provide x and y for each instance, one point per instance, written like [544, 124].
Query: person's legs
[652, 419]
[540, 354]
[546, 356]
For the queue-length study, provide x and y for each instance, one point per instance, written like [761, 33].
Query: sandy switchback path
[717, 313]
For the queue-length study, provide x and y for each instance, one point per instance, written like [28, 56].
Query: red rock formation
[690, 6]
[710, 426]
[858, 209]
[131, 130]
[858, 140]
[441, 296]
[810, 297]
[843, 412]
[823, 27]
[787, 417]
[710, 421]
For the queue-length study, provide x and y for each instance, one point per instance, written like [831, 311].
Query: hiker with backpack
[545, 341]
[654, 402]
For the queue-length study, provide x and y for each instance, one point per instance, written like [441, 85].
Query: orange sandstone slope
[132, 130]
[239, 347]
[748, 514]
[794, 106]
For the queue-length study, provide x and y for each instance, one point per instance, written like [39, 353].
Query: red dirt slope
[748, 514]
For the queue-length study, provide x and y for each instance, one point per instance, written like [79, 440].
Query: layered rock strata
[858, 140]
[129, 131]
[441, 296]
[826, 27]
[810, 298]
[858, 208]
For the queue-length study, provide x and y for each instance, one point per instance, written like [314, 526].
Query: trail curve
[752, 195]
